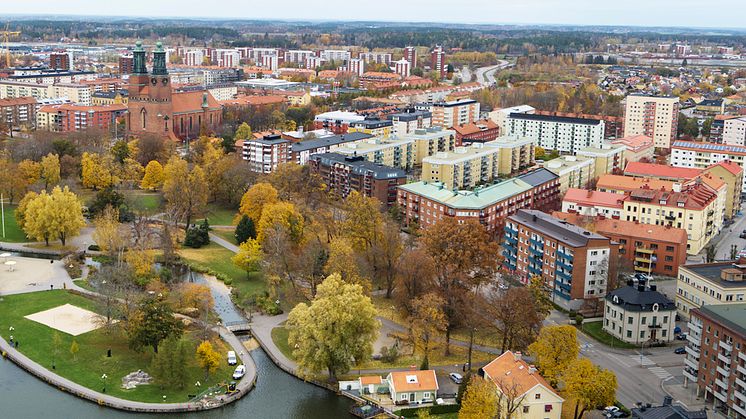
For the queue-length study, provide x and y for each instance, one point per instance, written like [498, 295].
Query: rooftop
[639, 298]
[452, 103]
[610, 226]
[422, 380]
[509, 370]
[329, 141]
[475, 127]
[591, 198]
[732, 316]
[710, 147]
[564, 164]
[461, 154]
[411, 115]
[713, 272]
[549, 118]
[660, 171]
[517, 109]
[339, 116]
[474, 200]
[560, 230]
[628, 183]
[635, 142]
[359, 166]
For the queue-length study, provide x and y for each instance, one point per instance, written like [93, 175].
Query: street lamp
[103, 379]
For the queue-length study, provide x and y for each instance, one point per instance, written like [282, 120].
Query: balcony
[722, 384]
[718, 395]
[741, 383]
[740, 409]
[643, 260]
[644, 250]
[563, 265]
[692, 351]
[692, 376]
[724, 358]
[533, 270]
[536, 252]
[725, 345]
[741, 369]
[511, 240]
[724, 372]
[694, 327]
[509, 248]
[511, 231]
[694, 340]
[654, 326]
[692, 363]
[537, 243]
[742, 355]
[564, 255]
[563, 275]
[740, 395]
[563, 286]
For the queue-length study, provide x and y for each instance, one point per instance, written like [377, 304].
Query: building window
[537, 396]
[525, 409]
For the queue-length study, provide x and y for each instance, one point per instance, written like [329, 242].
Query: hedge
[411, 412]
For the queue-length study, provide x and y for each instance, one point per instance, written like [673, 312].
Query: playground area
[31, 274]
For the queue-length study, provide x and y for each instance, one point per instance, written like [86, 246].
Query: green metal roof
[476, 199]
[731, 315]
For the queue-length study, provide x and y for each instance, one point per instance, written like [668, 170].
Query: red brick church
[154, 107]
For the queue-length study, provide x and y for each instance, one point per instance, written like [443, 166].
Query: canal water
[277, 394]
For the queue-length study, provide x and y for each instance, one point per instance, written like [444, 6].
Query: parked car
[456, 377]
[679, 351]
[232, 358]
[676, 330]
[239, 372]
[681, 336]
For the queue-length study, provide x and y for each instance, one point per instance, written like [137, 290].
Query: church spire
[159, 60]
[139, 59]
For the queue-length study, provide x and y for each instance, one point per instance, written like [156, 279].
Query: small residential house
[413, 386]
[523, 387]
[369, 384]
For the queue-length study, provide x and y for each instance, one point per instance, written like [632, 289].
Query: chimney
[531, 369]
[653, 288]
[517, 356]
[667, 401]
[641, 288]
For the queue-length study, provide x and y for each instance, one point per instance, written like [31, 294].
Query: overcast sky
[687, 13]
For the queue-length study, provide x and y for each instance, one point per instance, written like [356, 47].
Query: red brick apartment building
[648, 248]
[476, 132]
[18, 112]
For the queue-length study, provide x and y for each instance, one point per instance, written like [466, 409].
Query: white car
[456, 377]
[232, 358]
[239, 372]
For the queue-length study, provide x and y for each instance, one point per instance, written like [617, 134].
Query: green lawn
[595, 330]
[226, 234]
[13, 233]
[216, 260]
[220, 216]
[144, 200]
[90, 363]
[280, 338]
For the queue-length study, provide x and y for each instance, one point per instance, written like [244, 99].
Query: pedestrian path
[660, 373]
[651, 366]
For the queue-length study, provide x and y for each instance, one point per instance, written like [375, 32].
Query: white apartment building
[709, 284]
[335, 55]
[564, 134]
[410, 120]
[270, 62]
[639, 314]
[700, 155]
[226, 57]
[654, 116]
[256, 54]
[573, 171]
[376, 57]
[455, 112]
[734, 131]
[500, 116]
[403, 67]
[297, 55]
[194, 57]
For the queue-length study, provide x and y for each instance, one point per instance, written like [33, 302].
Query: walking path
[225, 243]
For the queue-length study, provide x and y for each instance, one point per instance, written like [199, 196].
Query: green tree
[554, 350]
[151, 323]
[121, 151]
[244, 230]
[74, 349]
[589, 385]
[335, 331]
[243, 132]
[169, 365]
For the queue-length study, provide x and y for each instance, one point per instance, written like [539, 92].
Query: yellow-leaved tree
[185, 191]
[29, 172]
[58, 215]
[479, 401]
[335, 331]
[97, 171]
[50, 169]
[554, 350]
[154, 176]
[249, 256]
[208, 358]
[254, 200]
[589, 385]
[283, 215]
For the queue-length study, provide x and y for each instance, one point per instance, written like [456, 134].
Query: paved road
[728, 236]
[225, 243]
[486, 75]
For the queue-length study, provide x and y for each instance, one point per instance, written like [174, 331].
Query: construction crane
[6, 34]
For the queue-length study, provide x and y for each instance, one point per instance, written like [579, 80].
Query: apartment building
[573, 262]
[336, 121]
[300, 152]
[478, 131]
[425, 203]
[61, 60]
[374, 127]
[403, 68]
[695, 208]
[639, 314]
[573, 171]
[564, 134]
[590, 203]
[613, 125]
[500, 116]
[701, 155]
[18, 112]
[654, 116]
[645, 248]
[438, 62]
[608, 158]
[297, 56]
[734, 131]
[409, 120]
[266, 153]
[410, 54]
[455, 112]
[521, 384]
[338, 55]
[716, 357]
[516, 154]
[376, 57]
[710, 284]
[344, 174]
[638, 148]
[463, 168]
[126, 64]
[430, 141]
[73, 118]
[398, 152]
[660, 171]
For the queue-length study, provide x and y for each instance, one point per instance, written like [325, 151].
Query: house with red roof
[593, 203]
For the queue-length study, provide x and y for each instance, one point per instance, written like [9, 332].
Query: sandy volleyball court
[68, 318]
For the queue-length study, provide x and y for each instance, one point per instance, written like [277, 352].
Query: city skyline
[685, 13]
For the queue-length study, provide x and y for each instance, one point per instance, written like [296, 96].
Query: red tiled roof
[183, 102]
[511, 371]
[26, 100]
[628, 183]
[635, 141]
[594, 198]
[661, 171]
[729, 166]
[609, 226]
[425, 380]
[475, 127]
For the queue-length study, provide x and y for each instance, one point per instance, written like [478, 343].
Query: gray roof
[551, 118]
[329, 141]
[373, 123]
[668, 412]
[732, 316]
[359, 166]
[538, 177]
[411, 116]
[632, 299]
[560, 230]
[711, 272]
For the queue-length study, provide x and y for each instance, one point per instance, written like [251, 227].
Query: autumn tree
[249, 256]
[50, 170]
[554, 350]
[589, 385]
[154, 176]
[464, 259]
[479, 401]
[29, 172]
[539, 292]
[56, 215]
[284, 215]
[427, 322]
[515, 316]
[342, 260]
[335, 331]
[254, 200]
[151, 323]
[109, 234]
[208, 358]
[185, 191]
[97, 171]
[243, 132]
[414, 276]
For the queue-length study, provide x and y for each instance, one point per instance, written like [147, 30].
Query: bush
[94, 248]
[579, 319]
[411, 412]
[198, 236]
[267, 305]
[389, 355]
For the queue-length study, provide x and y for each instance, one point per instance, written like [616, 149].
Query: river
[277, 394]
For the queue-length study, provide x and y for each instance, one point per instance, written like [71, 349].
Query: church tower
[149, 108]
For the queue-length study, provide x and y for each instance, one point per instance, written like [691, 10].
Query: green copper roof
[476, 199]
[730, 315]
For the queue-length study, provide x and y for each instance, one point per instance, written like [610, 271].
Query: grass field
[216, 260]
[144, 200]
[595, 330]
[90, 363]
[226, 234]
[13, 233]
[220, 216]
